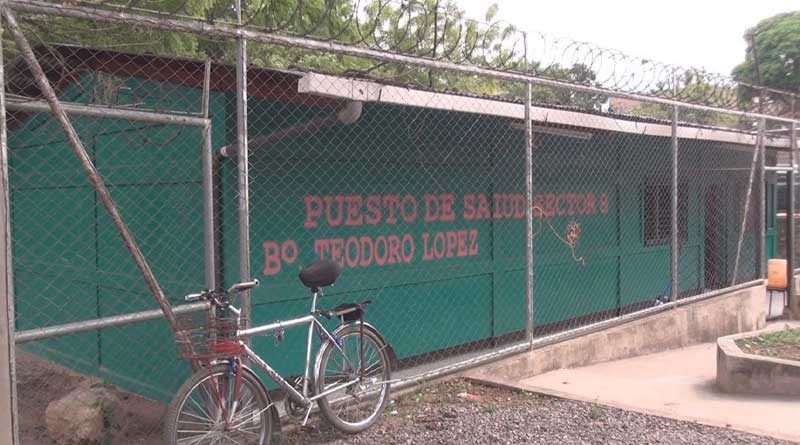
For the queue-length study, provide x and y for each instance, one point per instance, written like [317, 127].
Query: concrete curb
[699, 322]
[739, 372]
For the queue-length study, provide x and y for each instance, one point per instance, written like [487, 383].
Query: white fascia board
[339, 87]
[368, 91]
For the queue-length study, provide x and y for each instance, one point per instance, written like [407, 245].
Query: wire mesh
[70, 264]
[780, 187]
[422, 206]
[411, 178]
[782, 212]
[616, 188]
[720, 250]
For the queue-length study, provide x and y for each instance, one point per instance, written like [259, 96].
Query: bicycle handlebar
[246, 285]
[194, 297]
[206, 294]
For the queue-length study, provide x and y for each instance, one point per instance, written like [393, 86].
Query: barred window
[656, 218]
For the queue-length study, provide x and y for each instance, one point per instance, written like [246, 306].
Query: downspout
[349, 114]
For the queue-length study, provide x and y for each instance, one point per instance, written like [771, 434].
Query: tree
[45, 30]
[436, 29]
[579, 74]
[692, 86]
[772, 58]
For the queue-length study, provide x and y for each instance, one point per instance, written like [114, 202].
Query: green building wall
[424, 307]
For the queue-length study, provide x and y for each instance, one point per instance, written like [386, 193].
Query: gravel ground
[455, 412]
[461, 413]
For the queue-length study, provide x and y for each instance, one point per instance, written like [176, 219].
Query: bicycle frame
[312, 321]
[223, 350]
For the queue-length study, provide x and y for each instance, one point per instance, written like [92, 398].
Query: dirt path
[39, 382]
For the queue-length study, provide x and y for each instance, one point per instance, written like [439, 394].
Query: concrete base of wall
[740, 372]
[702, 321]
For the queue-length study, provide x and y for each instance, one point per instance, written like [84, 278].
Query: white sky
[709, 32]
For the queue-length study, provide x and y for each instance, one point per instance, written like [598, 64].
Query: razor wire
[438, 32]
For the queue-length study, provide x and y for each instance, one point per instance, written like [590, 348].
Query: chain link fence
[482, 207]
[70, 265]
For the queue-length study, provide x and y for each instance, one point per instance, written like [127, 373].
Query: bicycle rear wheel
[364, 386]
[208, 409]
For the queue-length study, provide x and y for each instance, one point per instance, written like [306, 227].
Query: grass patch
[780, 344]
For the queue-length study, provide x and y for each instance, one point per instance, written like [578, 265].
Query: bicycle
[224, 401]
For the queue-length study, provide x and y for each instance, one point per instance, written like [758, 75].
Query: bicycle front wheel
[359, 383]
[210, 408]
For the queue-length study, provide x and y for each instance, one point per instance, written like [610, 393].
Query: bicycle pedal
[293, 408]
[308, 413]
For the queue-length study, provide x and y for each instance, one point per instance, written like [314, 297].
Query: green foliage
[578, 73]
[436, 29]
[772, 340]
[784, 344]
[43, 30]
[691, 86]
[774, 43]
[596, 411]
[777, 45]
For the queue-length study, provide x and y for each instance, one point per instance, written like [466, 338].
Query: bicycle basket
[201, 336]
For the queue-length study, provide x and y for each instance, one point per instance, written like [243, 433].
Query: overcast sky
[699, 33]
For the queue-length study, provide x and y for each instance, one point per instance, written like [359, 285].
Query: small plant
[596, 411]
[784, 343]
[416, 395]
[111, 423]
[391, 406]
[489, 409]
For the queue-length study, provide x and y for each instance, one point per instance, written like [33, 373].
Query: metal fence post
[207, 160]
[242, 161]
[9, 431]
[762, 205]
[794, 303]
[674, 251]
[528, 215]
[753, 164]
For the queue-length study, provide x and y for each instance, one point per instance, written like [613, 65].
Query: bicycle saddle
[319, 274]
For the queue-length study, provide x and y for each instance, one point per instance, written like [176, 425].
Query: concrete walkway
[678, 384]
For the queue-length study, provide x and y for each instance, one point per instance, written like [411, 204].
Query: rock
[469, 396]
[84, 416]
[449, 414]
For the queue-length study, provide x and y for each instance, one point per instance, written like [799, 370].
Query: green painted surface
[154, 173]
[71, 264]
[53, 268]
[771, 233]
